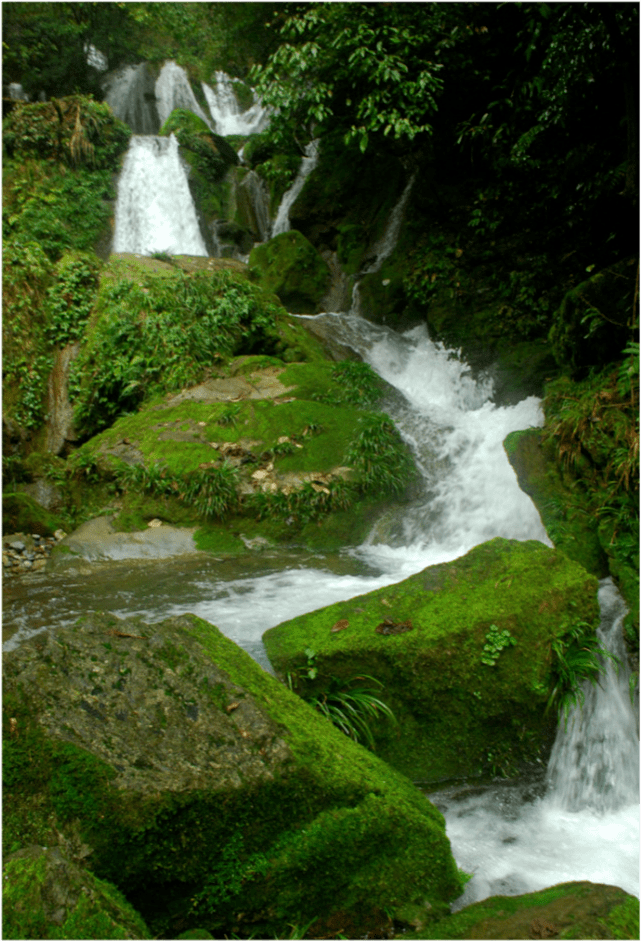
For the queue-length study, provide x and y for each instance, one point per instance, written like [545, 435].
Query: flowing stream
[580, 823]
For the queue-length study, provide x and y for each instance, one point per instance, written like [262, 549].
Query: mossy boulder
[206, 791]
[47, 895]
[569, 910]
[428, 640]
[290, 267]
[22, 514]
[278, 440]
[568, 524]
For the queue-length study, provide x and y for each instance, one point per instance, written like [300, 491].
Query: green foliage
[57, 207]
[623, 920]
[348, 705]
[354, 383]
[163, 335]
[303, 505]
[362, 68]
[593, 429]
[380, 457]
[496, 641]
[212, 492]
[76, 130]
[71, 297]
[31, 378]
[578, 657]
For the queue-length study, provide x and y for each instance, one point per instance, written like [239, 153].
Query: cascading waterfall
[130, 92]
[310, 160]
[258, 198]
[155, 211]
[594, 762]
[228, 116]
[386, 243]
[173, 90]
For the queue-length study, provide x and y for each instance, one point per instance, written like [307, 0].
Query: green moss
[98, 911]
[21, 514]
[576, 909]
[569, 526]
[334, 828]
[291, 267]
[456, 715]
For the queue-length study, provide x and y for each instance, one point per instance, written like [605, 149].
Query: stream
[578, 819]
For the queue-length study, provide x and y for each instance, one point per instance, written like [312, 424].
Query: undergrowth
[163, 335]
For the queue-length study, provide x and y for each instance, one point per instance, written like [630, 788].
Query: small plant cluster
[496, 641]
[163, 335]
[211, 492]
[354, 383]
[380, 457]
[71, 297]
[301, 506]
[228, 873]
[31, 378]
[578, 656]
[348, 705]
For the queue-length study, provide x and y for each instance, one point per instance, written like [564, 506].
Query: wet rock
[179, 757]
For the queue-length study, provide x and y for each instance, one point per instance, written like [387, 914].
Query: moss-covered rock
[281, 446]
[428, 640]
[46, 895]
[569, 910]
[568, 524]
[22, 514]
[290, 267]
[206, 790]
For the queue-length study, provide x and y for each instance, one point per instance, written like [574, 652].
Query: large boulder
[463, 650]
[568, 910]
[273, 450]
[206, 791]
[47, 895]
[290, 267]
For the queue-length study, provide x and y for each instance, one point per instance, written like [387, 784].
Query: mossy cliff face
[204, 788]
[582, 471]
[569, 910]
[457, 715]
[46, 895]
[290, 267]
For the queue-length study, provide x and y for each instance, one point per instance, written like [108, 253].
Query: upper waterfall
[155, 211]
[173, 90]
[281, 222]
[228, 116]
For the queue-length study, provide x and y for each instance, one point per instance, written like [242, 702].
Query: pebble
[22, 553]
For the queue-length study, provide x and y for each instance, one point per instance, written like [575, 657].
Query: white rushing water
[173, 90]
[228, 116]
[154, 210]
[582, 822]
[309, 162]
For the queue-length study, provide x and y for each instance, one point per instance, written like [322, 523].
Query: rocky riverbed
[27, 552]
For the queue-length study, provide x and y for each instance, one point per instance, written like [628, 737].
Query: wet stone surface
[27, 552]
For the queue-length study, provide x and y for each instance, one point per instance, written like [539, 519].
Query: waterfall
[281, 222]
[595, 759]
[258, 204]
[386, 244]
[154, 210]
[227, 114]
[173, 90]
[130, 92]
